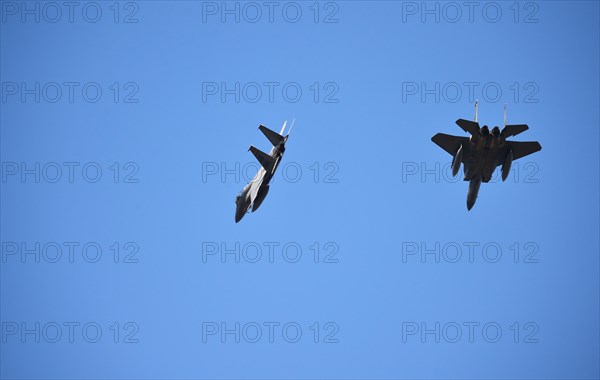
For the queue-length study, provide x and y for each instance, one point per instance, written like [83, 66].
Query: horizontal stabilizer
[469, 126]
[524, 148]
[265, 160]
[513, 130]
[274, 137]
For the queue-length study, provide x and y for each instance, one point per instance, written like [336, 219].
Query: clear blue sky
[367, 196]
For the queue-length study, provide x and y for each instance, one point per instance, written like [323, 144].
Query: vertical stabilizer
[283, 128]
[291, 126]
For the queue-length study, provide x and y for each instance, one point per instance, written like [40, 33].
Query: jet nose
[470, 203]
[240, 211]
[239, 214]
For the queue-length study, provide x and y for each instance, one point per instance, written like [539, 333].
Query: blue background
[364, 200]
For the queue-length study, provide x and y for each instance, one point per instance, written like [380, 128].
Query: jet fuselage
[256, 190]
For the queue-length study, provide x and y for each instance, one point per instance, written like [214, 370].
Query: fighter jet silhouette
[483, 152]
[254, 193]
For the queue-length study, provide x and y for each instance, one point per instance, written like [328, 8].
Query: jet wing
[265, 160]
[523, 148]
[513, 130]
[450, 143]
[469, 126]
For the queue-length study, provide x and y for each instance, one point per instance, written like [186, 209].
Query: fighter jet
[483, 152]
[254, 193]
